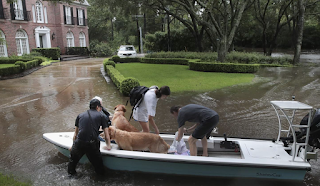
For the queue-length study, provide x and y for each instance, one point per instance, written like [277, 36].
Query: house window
[18, 10]
[68, 12]
[80, 17]
[3, 46]
[22, 42]
[70, 39]
[39, 12]
[82, 39]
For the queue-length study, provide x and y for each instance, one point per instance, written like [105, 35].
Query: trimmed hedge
[175, 61]
[106, 62]
[127, 84]
[27, 65]
[117, 59]
[10, 70]
[235, 57]
[223, 67]
[123, 84]
[115, 75]
[6, 60]
[83, 51]
[53, 53]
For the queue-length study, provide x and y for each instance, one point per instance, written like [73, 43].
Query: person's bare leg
[145, 126]
[204, 146]
[193, 147]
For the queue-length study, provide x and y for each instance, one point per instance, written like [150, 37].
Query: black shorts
[205, 128]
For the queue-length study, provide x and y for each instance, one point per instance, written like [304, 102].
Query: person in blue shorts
[206, 119]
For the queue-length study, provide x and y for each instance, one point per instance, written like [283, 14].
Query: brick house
[28, 24]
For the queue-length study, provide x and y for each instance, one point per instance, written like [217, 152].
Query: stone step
[69, 58]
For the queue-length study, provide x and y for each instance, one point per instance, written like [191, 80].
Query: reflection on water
[50, 99]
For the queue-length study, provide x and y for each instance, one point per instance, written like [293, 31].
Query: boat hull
[116, 159]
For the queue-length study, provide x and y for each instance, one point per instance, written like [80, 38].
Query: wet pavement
[48, 100]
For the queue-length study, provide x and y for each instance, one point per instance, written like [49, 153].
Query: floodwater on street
[48, 100]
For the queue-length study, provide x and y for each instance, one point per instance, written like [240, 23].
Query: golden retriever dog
[138, 141]
[119, 120]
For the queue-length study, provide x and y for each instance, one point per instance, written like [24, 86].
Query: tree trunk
[222, 49]
[300, 25]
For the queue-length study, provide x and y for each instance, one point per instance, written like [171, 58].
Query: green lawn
[179, 78]
[6, 180]
[6, 65]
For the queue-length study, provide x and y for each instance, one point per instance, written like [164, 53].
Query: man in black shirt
[86, 138]
[205, 119]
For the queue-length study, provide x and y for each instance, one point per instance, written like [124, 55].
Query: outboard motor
[314, 136]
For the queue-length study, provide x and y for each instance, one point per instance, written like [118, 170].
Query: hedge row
[123, 84]
[106, 62]
[28, 65]
[176, 61]
[223, 67]
[83, 51]
[235, 57]
[53, 53]
[10, 70]
[117, 59]
[6, 60]
[21, 64]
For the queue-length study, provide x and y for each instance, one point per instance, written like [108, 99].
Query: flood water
[49, 100]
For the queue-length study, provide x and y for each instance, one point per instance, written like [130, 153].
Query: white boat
[232, 157]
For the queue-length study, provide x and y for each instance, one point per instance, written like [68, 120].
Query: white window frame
[80, 17]
[68, 15]
[3, 45]
[39, 12]
[82, 39]
[45, 14]
[18, 10]
[70, 39]
[22, 42]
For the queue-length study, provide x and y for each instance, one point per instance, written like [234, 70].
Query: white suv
[127, 51]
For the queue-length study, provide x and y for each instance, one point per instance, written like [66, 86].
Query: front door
[41, 41]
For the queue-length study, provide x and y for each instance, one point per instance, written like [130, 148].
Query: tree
[300, 26]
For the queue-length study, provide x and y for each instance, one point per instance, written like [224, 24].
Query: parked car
[127, 51]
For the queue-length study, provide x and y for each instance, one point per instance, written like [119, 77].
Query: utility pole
[138, 30]
[144, 25]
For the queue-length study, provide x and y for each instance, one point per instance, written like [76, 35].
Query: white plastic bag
[178, 147]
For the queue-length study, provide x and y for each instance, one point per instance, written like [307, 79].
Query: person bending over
[205, 119]
[146, 111]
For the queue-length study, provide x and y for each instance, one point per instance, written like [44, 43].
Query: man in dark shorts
[85, 139]
[205, 119]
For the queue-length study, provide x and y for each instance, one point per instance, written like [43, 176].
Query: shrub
[100, 50]
[175, 61]
[21, 65]
[108, 62]
[83, 51]
[223, 67]
[10, 70]
[115, 75]
[40, 59]
[53, 53]
[115, 58]
[127, 84]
